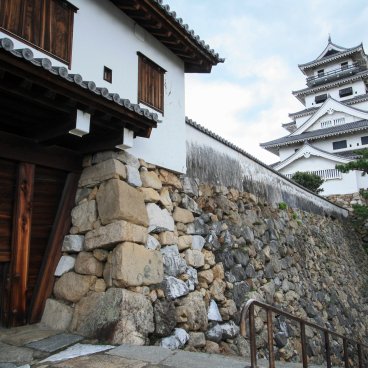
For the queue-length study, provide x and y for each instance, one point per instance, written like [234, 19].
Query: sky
[248, 98]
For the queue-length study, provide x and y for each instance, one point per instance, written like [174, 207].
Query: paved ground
[38, 347]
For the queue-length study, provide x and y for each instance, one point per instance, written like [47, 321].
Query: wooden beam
[21, 245]
[61, 226]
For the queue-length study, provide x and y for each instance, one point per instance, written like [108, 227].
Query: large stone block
[150, 180]
[174, 265]
[117, 232]
[65, 264]
[117, 316]
[72, 287]
[117, 200]
[57, 315]
[84, 215]
[183, 215]
[150, 195]
[174, 287]
[134, 265]
[105, 170]
[73, 243]
[194, 258]
[87, 264]
[159, 220]
[170, 178]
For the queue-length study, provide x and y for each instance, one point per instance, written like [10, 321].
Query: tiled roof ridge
[319, 133]
[25, 53]
[190, 32]
[329, 58]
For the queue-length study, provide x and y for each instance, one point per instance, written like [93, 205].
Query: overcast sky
[246, 99]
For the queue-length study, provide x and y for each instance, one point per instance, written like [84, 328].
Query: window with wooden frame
[150, 83]
[45, 24]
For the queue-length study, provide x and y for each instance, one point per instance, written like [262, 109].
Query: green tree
[309, 181]
[360, 163]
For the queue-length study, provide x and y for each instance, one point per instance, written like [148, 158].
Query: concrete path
[39, 347]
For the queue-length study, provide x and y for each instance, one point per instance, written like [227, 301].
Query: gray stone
[269, 291]
[150, 180]
[15, 354]
[84, 216]
[192, 281]
[191, 205]
[54, 343]
[128, 159]
[73, 243]
[152, 354]
[198, 242]
[135, 265]
[197, 339]
[194, 258]
[214, 333]
[241, 256]
[165, 317]
[57, 315]
[117, 200]
[229, 330]
[238, 273]
[240, 291]
[174, 265]
[112, 234]
[117, 316]
[152, 243]
[159, 220]
[65, 264]
[174, 287]
[213, 312]
[133, 176]
[250, 271]
[281, 339]
[176, 341]
[198, 227]
[103, 156]
[110, 169]
[190, 186]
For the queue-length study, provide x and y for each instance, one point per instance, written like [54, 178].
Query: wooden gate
[35, 203]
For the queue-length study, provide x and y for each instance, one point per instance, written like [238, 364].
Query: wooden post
[21, 244]
[45, 279]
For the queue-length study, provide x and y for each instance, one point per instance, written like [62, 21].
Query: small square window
[107, 74]
[320, 73]
[339, 144]
[364, 140]
[320, 98]
[346, 92]
[344, 65]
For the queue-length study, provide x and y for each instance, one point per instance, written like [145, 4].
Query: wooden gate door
[35, 204]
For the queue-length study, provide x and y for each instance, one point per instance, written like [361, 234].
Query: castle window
[346, 92]
[364, 140]
[344, 65]
[150, 83]
[107, 74]
[320, 98]
[45, 24]
[339, 144]
[320, 73]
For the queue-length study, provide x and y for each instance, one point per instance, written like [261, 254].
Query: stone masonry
[154, 258]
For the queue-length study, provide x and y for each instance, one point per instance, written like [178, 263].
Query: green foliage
[283, 206]
[360, 164]
[364, 193]
[295, 216]
[309, 181]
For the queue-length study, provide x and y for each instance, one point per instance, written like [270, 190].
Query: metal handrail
[335, 71]
[248, 310]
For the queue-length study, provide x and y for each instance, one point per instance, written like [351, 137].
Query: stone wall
[157, 259]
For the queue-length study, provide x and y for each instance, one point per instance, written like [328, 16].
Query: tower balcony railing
[335, 74]
[326, 174]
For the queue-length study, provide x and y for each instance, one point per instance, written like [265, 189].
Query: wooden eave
[169, 30]
[39, 104]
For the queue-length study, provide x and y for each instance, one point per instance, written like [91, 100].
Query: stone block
[117, 316]
[198, 242]
[194, 258]
[159, 220]
[57, 315]
[174, 264]
[128, 159]
[152, 243]
[197, 339]
[174, 287]
[164, 312]
[72, 287]
[150, 195]
[55, 343]
[87, 264]
[134, 265]
[183, 215]
[133, 176]
[117, 232]
[117, 200]
[103, 156]
[110, 169]
[65, 264]
[84, 215]
[73, 243]
[169, 178]
[168, 238]
[176, 341]
[213, 312]
[165, 199]
[150, 180]
[184, 242]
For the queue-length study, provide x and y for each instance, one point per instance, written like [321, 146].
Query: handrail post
[328, 349]
[252, 337]
[360, 356]
[304, 344]
[271, 361]
[346, 358]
